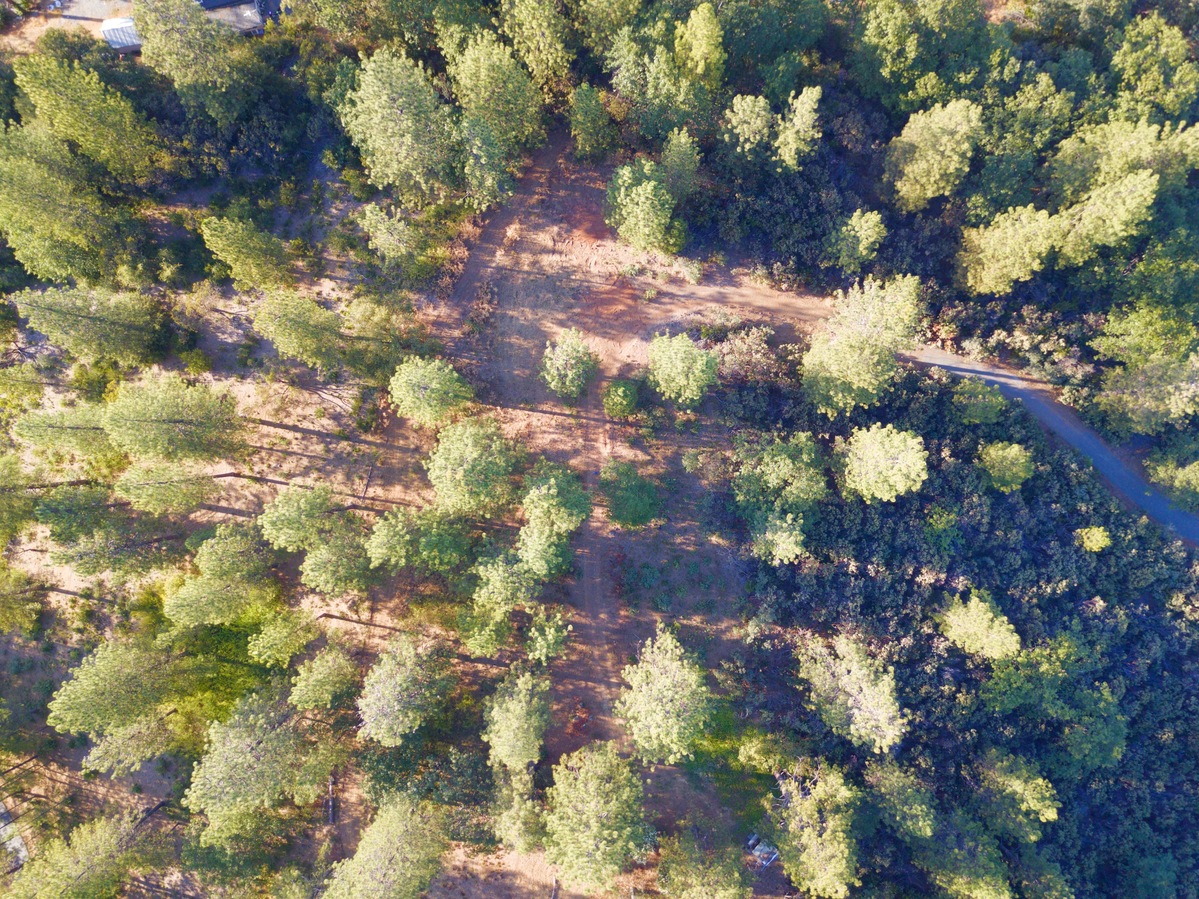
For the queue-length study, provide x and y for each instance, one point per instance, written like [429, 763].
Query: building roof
[243, 17]
[120, 34]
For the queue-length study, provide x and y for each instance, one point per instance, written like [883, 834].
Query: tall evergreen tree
[79, 108]
[413, 150]
[97, 324]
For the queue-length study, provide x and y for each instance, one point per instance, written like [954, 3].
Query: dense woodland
[952, 662]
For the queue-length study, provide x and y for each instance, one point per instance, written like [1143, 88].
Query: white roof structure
[120, 34]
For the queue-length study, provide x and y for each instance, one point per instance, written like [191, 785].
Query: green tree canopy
[555, 506]
[255, 258]
[816, 840]
[165, 488]
[679, 370]
[428, 540]
[163, 417]
[1159, 79]
[591, 125]
[852, 692]
[428, 391]
[398, 855]
[324, 679]
[667, 703]
[517, 716]
[79, 108]
[908, 54]
[688, 872]
[300, 328]
[97, 324]
[568, 364]
[595, 824]
[407, 683]
[402, 128]
[680, 164]
[492, 88]
[1020, 799]
[855, 244]
[93, 862]
[292, 521]
[261, 756]
[199, 54]
[641, 209]
[978, 402]
[471, 469]
[932, 154]
[797, 130]
[852, 361]
[883, 463]
[978, 627]
[53, 218]
[1006, 465]
[539, 32]
[336, 562]
[1012, 248]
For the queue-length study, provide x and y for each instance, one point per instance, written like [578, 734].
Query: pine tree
[855, 243]
[294, 519]
[165, 488]
[853, 360]
[591, 125]
[427, 541]
[667, 703]
[413, 152]
[797, 130]
[817, 844]
[255, 258]
[492, 88]
[688, 872]
[79, 108]
[882, 463]
[398, 855]
[97, 324]
[568, 364]
[302, 329]
[1021, 800]
[852, 692]
[403, 688]
[595, 824]
[517, 716]
[978, 627]
[1006, 465]
[641, 208]
[198, 54]
[324, 680]
[95, 860]
[264, 754]
[428, 391]
[932, 154]
[1012, 248]
[162, 417]
[680, 164]
[538, 31]
[679, 370]
[471, 468]
[54, 220]
[1158, 78]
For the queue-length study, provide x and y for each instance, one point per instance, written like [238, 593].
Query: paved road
[1124, 479]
